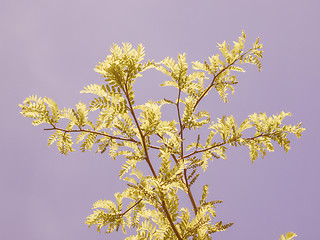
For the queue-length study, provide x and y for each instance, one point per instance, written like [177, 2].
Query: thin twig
[131, 207]
[226, 142]
[98, 133]
[195, 208]
[213, 82]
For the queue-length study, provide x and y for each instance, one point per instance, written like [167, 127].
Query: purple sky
[50, 48]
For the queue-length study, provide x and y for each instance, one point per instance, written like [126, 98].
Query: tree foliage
[129, 132]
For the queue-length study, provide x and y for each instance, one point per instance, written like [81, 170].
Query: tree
[138, 131]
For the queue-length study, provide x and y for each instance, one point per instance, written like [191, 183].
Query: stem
[216, 76]
[213, 82]
[141, 135]
[131, 207]
[193, 202]
[229, 141]
[98, 133]
[194, 205]
[94, 132]
[164, 206]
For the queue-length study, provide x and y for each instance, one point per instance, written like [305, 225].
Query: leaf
[288, 236]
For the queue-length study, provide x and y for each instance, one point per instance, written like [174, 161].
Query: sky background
[50, 48]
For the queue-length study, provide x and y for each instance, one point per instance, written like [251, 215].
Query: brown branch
[194, 205]
[216, 76]
[94, 132]
[130, 207]
[213, 82]
[143, 141]
[164, 206]
[229, 141]
[99, 133]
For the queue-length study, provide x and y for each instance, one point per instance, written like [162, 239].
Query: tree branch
[98, 133]
[164, 206]
[131, 207]
[232, 140]
[213, 82]
[216, 76]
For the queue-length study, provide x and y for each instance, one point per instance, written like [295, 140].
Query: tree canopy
[135, 133]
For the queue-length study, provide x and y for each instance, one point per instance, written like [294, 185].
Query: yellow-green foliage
[125, 129]
[288, 236]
